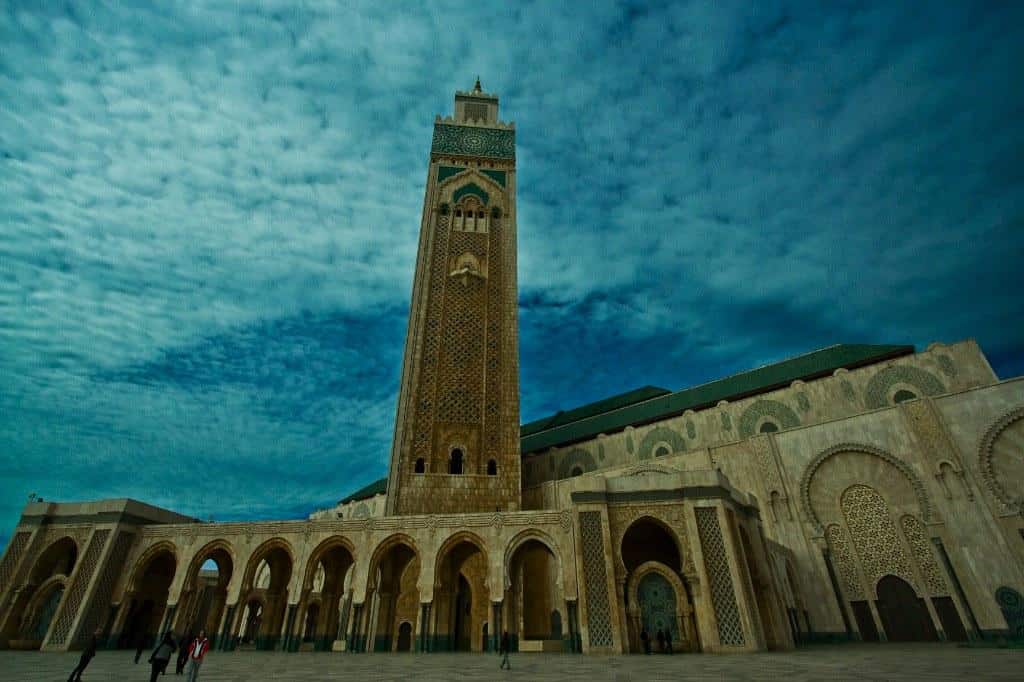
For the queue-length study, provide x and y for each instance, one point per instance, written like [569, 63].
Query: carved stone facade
[874, 494]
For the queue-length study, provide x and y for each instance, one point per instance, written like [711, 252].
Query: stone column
[496, 625]
[227, 641]
[355, 639]
[425, 627]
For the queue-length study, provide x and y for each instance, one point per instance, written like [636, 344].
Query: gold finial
[476, 88]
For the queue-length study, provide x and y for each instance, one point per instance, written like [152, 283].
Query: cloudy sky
[209, 215]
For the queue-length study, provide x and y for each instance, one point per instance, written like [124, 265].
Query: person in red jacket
[196, 651]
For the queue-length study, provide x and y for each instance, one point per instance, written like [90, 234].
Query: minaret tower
[456, 444]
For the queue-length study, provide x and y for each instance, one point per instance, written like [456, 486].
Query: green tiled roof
[600, 407]
[559, 430]
[375, 488]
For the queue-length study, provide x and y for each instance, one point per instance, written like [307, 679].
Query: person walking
[504, 651]
[661, 641]
[646, 639]
[179, 667]
[162, 655]
[668, 640]
[196, 651]
[87, 655]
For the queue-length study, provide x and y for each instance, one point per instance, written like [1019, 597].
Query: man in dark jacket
[504, 651]
[87, 655]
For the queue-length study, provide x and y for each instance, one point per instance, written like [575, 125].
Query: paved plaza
[847, 662]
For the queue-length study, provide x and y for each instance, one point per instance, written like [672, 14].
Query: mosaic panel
[657, 601]
[105, 587]
[876, 394]
[657, 435]
[845, 564]
[11, 558]
[781, 412]
[494, 375]
[874, 535]
[913, 531]
[723, 596]
[82, 578]
[472, 141]
[596, 579]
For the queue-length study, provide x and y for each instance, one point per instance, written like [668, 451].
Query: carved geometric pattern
[845, 563]
[11, 558]
[83, 575]
[877, 392]
[492, 408]
[105, 587]
[766, 463]
[424, 420]
[473, 141]
[805, 480]
[726, 421]
[767, 408]
[803, 402]
[596, 579]
[913, 531]
[462, 338]
[576, 458]
[1011, 449]
[657, 435]
[874, 535]
[947, 366]
[723, 597]
[691, 430]
[928, 429]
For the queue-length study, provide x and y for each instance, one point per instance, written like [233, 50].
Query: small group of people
[190, 657]
[664, 638]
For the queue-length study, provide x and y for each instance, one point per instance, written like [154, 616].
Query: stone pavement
[846, 662]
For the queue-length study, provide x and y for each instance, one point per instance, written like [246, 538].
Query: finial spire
[476, 88]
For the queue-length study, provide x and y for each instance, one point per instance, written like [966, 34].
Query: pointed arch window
[456, 461]
[492, 468]
[420, 466]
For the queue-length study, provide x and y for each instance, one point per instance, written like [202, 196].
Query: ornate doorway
[904, 615]
[657, 601]
[405, 636]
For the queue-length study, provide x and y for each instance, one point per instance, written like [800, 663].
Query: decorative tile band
[473, 141]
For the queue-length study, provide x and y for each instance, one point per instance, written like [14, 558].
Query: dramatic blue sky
[209, 215]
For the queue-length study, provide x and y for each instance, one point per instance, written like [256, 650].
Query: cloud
[210, 216]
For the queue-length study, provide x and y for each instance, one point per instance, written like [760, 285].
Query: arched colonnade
[432, 589]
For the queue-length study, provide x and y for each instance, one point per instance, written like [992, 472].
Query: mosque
[857, 492]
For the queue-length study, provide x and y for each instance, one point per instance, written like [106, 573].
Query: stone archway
[146, 596]
[393, 592]
[647, 546]
[265, 594]
[533, 607]
[205, 591]
[461, 599]
[327, 585]
[659, 601]
[53, 567]
[903, 613]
